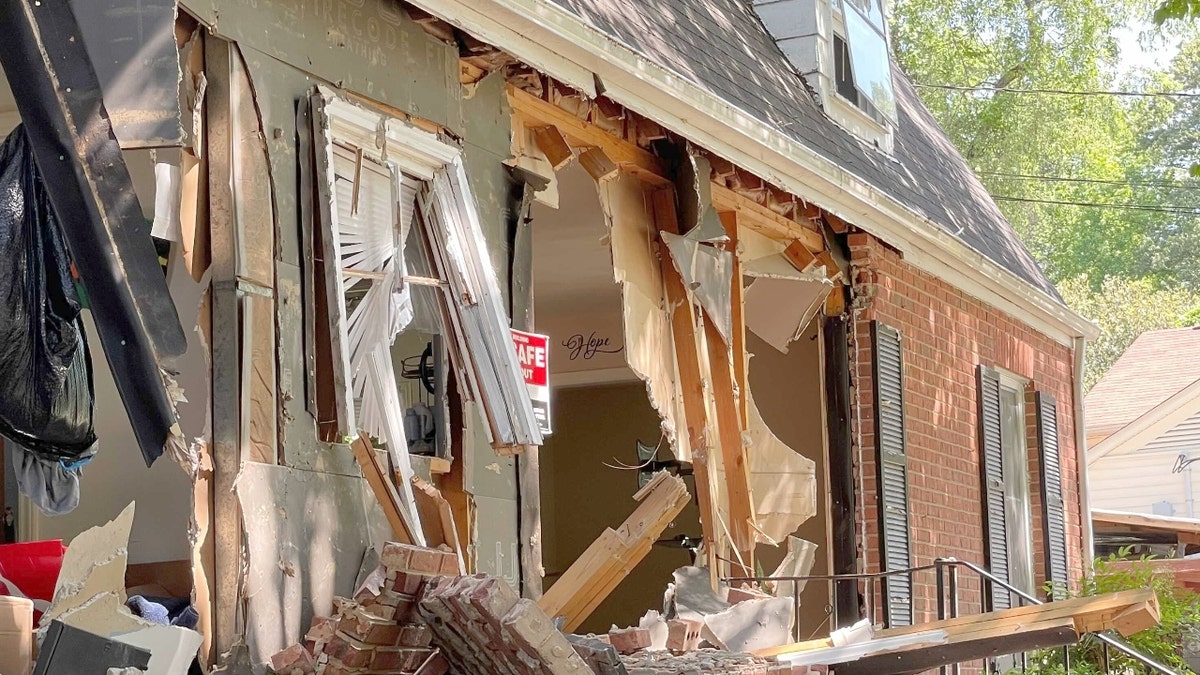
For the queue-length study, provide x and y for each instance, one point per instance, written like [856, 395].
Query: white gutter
[1081, 455]
[529, 29]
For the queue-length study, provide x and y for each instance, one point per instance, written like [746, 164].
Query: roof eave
[535, 31]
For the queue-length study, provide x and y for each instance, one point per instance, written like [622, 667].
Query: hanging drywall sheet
[697, 218]
[778, 310]
[306, 534]
[368, 46]
[783, 482]
[649, 349]
[707, 272]
[133, 51]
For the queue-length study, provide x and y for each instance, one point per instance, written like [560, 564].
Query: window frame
[1018, 484]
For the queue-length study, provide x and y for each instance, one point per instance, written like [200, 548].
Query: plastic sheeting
[46, 395]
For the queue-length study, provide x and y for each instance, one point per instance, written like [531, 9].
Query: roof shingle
[1158, 365]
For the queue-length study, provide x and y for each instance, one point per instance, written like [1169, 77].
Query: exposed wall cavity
[647, 326]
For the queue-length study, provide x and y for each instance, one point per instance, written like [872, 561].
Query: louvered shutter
[893, 472]
[1053, 505]
[991, 469]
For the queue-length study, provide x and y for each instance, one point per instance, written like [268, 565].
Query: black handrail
[941, 564]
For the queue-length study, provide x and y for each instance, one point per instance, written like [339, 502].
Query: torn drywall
[782, 481]
[649, 348]
[779, 309]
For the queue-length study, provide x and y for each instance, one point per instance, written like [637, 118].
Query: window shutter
[1053, 505]
[893, 472]
[991, 469]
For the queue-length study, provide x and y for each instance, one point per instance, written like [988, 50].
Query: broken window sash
[475, 306]
[473, 319]
[366, 301]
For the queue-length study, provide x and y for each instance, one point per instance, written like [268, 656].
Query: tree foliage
[1124, 309]
[1098, 186]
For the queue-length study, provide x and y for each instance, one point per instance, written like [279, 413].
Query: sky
[1135, 55]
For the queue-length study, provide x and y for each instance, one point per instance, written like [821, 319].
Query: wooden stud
[832, 271]
[836, 224]
[437, 519]
[593, 576]
[687, 357]
[385, 491]
[835, 302]
[737, 303]
[733, 452]
[581, 133]
[799, 256]
[551, 142]
[598, 165]
[763, 220]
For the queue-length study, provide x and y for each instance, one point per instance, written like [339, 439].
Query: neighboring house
[1143, 427]
[382, 189]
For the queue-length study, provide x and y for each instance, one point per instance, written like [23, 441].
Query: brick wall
[946, 335]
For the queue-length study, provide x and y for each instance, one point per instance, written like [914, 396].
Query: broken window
[400, 244]
[862, 62]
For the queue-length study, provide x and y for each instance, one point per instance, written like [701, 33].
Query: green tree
[1124, 309]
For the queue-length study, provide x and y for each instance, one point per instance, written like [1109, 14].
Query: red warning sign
[533, 353]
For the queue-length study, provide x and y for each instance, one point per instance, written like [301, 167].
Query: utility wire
[1179, 210]
[1064, 92]
[1098, 181]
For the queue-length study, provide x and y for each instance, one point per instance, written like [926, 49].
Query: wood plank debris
[377, 477]
[610, 558]
[917, 648]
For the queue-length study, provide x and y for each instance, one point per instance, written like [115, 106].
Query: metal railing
[947, 584]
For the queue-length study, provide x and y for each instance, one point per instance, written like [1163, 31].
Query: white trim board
[529, 29]
[1153, 423]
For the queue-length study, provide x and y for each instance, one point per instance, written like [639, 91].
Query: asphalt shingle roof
[722, 47]
[1158, 365]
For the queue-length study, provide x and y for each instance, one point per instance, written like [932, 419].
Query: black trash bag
[46, 393]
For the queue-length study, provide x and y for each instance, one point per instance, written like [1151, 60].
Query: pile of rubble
[416, 615]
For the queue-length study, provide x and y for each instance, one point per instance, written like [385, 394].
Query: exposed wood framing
[582, 134]
[737, 307]
[687, 357]
[763, 220]
[598, 165]
[733, 452]
[437, 520]
[609, 559]
[385, 491]
[551, 142]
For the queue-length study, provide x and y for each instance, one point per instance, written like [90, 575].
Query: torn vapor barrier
[649, 348]
[75, 148]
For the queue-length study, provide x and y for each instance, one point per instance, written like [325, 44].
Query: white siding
[1135, 481]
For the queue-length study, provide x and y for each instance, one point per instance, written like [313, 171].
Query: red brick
[370, 629]
[348, 651]
[293, 659]
[629, 640]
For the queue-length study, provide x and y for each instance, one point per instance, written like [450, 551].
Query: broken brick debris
[683, 635]
[598, 653]
[629, 640]
[711, 661]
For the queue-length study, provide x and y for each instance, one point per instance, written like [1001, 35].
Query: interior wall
[601, 425]
[118, 475]
[789, 392]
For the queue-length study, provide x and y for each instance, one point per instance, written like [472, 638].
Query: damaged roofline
[529, 29]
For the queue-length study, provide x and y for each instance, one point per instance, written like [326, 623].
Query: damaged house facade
[470, 272]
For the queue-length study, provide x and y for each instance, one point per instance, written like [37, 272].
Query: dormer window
[841, 48]
[864, 51]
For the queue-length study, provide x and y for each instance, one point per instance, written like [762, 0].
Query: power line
[1098, 181]
[1064, 92]
[1178, 210]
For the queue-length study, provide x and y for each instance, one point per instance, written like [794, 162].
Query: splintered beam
[59, 98]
